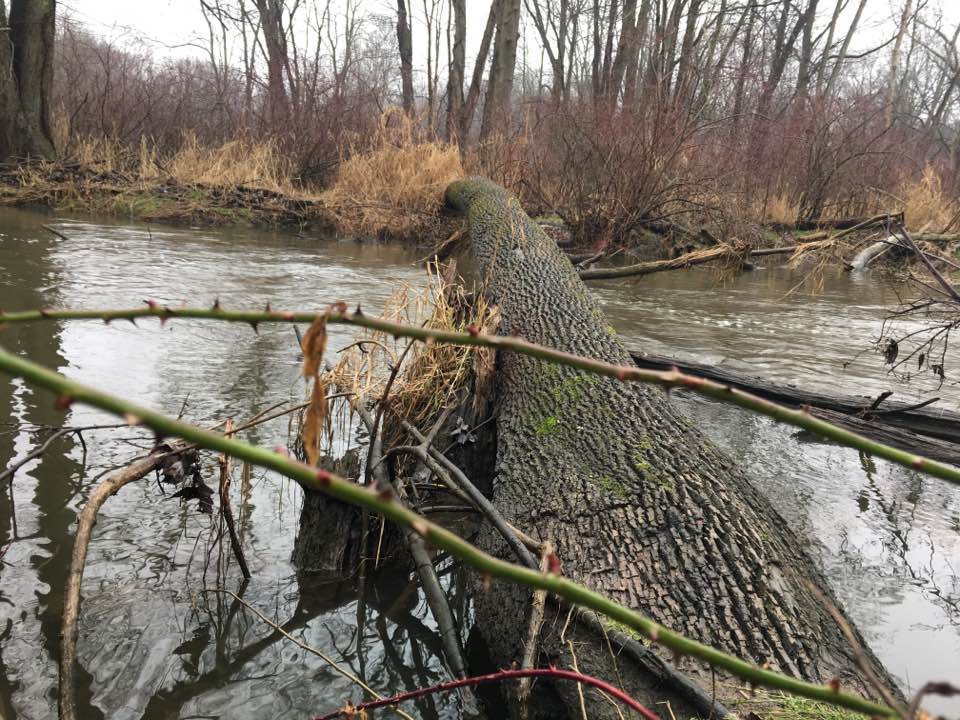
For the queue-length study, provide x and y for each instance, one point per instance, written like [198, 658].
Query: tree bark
[26, 78]
[275, 39]
[473, 95]
[457, 67]
[639, 504]
[496, 110]
[405, 43]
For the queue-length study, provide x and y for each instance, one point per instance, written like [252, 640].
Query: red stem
[496, 677]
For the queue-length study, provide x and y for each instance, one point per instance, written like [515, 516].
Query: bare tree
[26, 78]
[405, 43]
[500, 88]
[457, 66]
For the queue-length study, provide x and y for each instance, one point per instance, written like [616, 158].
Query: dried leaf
[891, 351]
[314, 343]
[314, 419]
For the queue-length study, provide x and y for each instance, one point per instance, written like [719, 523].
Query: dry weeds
[397, 187]
[433, 374]
[924, 203]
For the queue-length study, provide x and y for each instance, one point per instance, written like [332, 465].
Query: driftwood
[921, 423]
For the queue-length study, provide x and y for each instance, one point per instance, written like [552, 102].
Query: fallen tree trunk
[837, 224]
[639, 505]
[728, 253]
[927, 421]
[697, 257]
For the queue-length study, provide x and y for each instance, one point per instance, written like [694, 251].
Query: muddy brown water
[150, 645]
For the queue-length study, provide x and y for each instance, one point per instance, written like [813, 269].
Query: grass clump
[396, 187]
[925, 205]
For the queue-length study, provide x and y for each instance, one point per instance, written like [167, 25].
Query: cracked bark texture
[640, 505]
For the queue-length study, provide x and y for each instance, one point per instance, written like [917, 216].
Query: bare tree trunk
[405, 43]
[805, 68]
[476, 81]
[633, 61]
[275, 39]
[842, 55]
[26, 78]
[496, 111]
[629, 42]
[455, 76]
[893, 83]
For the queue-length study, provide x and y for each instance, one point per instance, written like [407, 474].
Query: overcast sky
[169, 25]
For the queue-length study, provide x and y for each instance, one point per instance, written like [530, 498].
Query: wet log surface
[929, 421]
[639, 504]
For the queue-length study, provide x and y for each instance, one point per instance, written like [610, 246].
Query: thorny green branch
[381, 501]
[338, 314]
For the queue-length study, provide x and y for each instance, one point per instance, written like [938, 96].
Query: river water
[153, 646]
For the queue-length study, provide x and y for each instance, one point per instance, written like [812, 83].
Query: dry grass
[924, 203]
[241, 161]
[777, 208]
[397, 187]
[432, 374]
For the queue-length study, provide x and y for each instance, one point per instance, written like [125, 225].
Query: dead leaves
[314, 344]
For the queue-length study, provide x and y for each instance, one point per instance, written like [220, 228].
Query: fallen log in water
[638, 503]
[919, 422]
[836, 224]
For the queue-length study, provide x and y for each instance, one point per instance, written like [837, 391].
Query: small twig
[859, 654]
[13, 467]
[931, 688]
[351, 711]
[227, 511]
[299, 643]
[55, 232]
[950, 290]
[533, 633]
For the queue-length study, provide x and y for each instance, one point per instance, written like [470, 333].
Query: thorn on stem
[216, 304]
[834, 685]
[256, 327]
[553, 564]
[472, 329]
[63, 403]
[339, 307]
[323, 478]
[281, 450]
[152, 304]
[131, 419]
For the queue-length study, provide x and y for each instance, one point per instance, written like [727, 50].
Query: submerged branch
[376, 500]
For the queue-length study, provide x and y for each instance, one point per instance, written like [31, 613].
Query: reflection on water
[153, 645]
